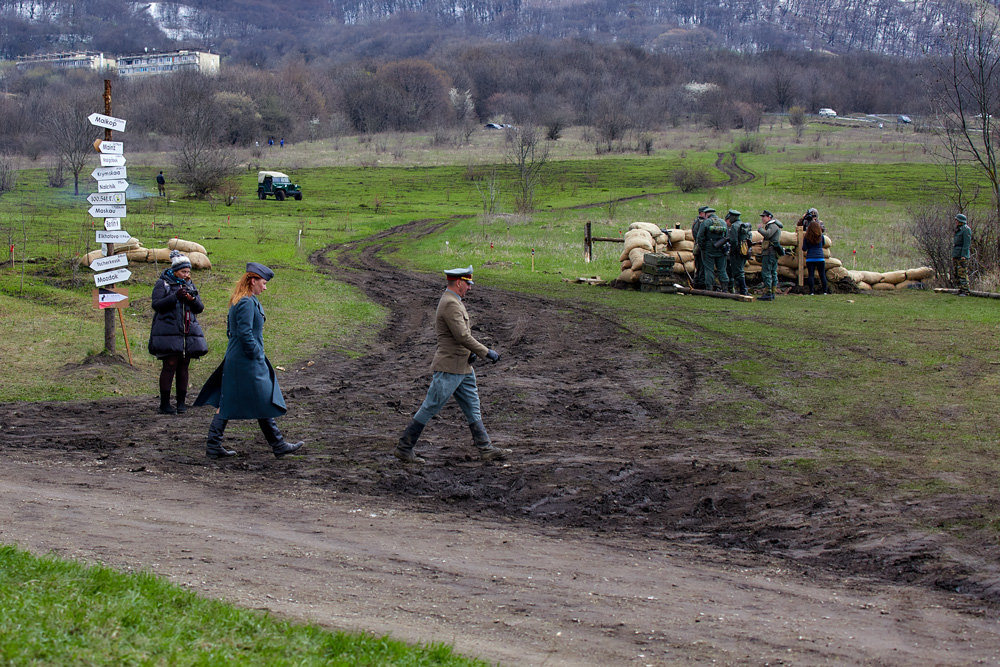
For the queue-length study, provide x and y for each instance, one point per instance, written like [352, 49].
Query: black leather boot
[743, 287]
[165, 407]
[279, 445]
[407, 441]
[181, 405]
[487, 452]
[214, 448]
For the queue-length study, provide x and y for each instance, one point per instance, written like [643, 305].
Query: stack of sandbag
[646, 237]
[135, 252]
[890, 280]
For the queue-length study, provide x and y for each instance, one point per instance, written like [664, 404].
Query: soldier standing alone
[453, 372]
[960, 253]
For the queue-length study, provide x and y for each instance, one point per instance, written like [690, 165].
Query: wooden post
[799, 235]
[121, 319]
[588, 242]
[109, 315]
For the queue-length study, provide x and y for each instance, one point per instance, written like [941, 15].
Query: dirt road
[607, 539]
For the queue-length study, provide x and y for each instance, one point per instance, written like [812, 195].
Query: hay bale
[158, 255]
[923, 273]
[624, 255]
[627, 264]
[654, 230]
[787, 273]
[788, 261]
[138, 255]
[132, 244]
[894, 277]
[199, 261]
[871, 277]
[683, 245]
[833, 262]
[883, 287]
[909, 283]
[756, 236]
[789, 238]
[856, 276]
[827, 241]
[837, 273]
[628, 276]
[186, 246]
[863, 286]
[688, 235]
[639, 239]
[637, 257]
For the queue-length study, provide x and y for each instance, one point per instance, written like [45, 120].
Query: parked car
[905, 120]
[278, 185]
[827, 112]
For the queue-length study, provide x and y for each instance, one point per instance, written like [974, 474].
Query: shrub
[689, 179]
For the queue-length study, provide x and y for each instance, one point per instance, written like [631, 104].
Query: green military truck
[278, 185]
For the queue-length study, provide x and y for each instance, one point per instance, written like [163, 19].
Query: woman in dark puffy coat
[175, 336]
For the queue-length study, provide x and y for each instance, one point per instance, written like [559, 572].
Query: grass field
[889, 381]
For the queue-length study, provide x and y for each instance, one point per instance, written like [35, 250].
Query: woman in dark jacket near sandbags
[175, 336]
[245, 386]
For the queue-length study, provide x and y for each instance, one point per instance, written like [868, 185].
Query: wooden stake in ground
[121, 321]
[714, 295]
[983, 295]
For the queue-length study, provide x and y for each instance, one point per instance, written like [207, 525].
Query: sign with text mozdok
[105, 236]
[107, 211]
[112, 262]
[107, 198]
[107, 122]
[112, 277]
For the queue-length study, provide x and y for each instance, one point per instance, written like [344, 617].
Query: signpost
[108, 173]
[107, 210]
[113, 185]
[112, 224]
[108, 198]
[105, 236]
[112, 277]
[112, 160]
[112, 262]
[107, 122]
[109, 147]
[110, 297]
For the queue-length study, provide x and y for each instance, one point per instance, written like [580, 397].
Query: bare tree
[71, 134]
[203, 162]
[525, 152]
[8, 172]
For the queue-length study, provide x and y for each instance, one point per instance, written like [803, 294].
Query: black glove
[473, 357]
[493, 356]
[182, 293]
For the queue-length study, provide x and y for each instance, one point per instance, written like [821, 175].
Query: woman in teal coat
[245, 386]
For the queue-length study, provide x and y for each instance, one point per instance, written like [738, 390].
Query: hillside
[255, 31]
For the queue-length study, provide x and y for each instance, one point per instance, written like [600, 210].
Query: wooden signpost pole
[109, 316]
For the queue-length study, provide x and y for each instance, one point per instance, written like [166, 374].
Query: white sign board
[107, 211]
[104, 236]
[112, 277]
[110, 147]
[112, 160]
[108, 173]
[112, 224]
[114, 185]
[113, 262]
[107, 198]
[107, 122]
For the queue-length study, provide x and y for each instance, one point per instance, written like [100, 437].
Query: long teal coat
[244, 386]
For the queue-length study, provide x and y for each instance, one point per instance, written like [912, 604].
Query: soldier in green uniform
[714, 244]
[960, 253]
[699, 262]
[740, 238]
[770, 229]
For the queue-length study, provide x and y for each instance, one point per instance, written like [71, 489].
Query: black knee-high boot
[279, 445]
[214, 448]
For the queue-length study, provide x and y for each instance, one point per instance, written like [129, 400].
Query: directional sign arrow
[113, 262]
[108, 173]
[112, 224]
[116, 185]
[112, 160]
[107, 198]
[107, 211]
[112, 277]
[107, 122]
[104, 236]
[109, 147]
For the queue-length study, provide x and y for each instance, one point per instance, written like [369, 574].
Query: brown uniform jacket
[455, 341]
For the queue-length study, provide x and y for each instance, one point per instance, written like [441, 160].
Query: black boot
[279, 445]
[181, 406]
[214, 448]
[165, 407]
[743, 287]
[487, 452]
[407, 441]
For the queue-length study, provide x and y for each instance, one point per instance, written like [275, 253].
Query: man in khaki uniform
[453, 373]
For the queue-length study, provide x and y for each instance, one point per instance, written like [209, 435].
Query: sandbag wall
[135, 252]
[643, 237]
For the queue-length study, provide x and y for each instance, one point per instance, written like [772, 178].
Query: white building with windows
[151, 64]
[75, 60]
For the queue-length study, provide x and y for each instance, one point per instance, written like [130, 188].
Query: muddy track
[611, 435]
[726, 163]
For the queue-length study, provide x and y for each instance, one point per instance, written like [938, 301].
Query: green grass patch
[57, 612]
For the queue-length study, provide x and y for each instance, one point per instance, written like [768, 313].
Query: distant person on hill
[960, 252]
[812, 246]
[175, 336]
[245, 385]
[161, 184]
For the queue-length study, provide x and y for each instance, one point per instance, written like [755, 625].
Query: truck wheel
[261, 195]
[279, 195]
[298, 196]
